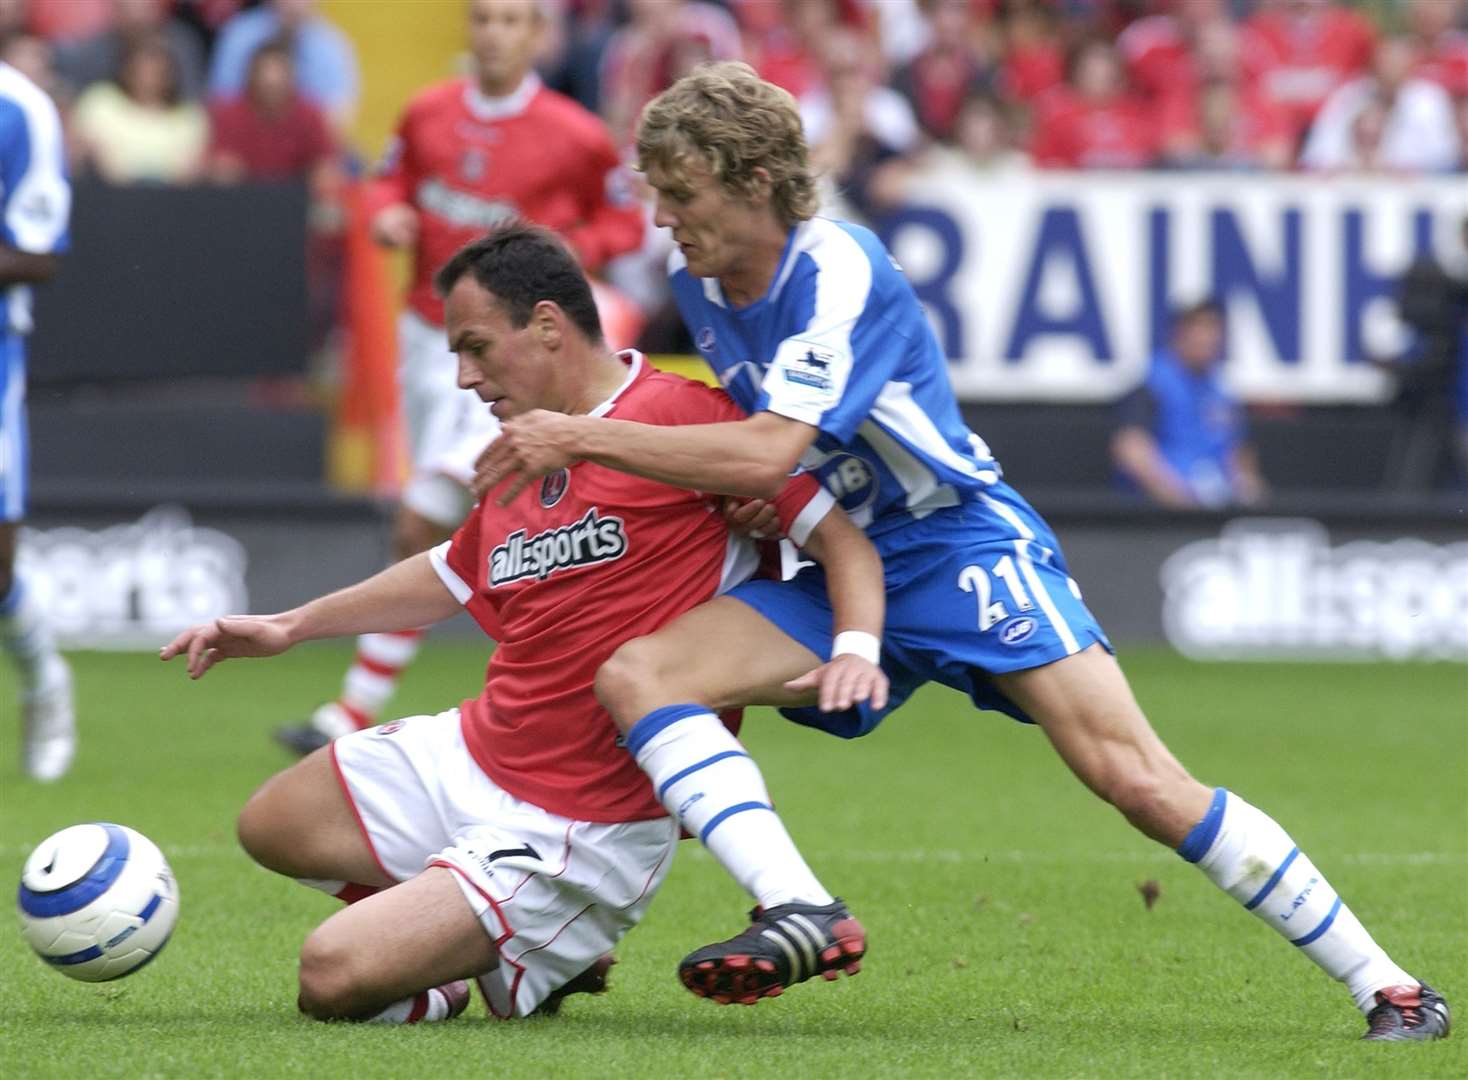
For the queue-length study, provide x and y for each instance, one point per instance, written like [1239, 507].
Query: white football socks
[1247, 855]
[422, 1008]
[376, 669]
[707, 781]
[26, 635]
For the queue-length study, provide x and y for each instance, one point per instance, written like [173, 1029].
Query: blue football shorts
[974, 590]
[14, 440]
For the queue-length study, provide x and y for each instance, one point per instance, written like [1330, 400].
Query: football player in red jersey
[543, 841]
[468, 153]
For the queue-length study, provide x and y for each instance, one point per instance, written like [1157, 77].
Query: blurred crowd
[158, 91]
[1314, 85]
[175, 91]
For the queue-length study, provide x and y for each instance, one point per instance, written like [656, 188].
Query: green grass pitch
[1008, 935]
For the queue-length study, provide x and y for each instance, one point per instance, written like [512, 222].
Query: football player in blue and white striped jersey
[816, 334]
[35, 204]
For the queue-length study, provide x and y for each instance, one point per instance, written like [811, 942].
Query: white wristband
[857, 643]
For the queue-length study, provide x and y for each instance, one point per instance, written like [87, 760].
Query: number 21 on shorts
[975, 579]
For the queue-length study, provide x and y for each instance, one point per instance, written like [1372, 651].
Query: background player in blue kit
[35, 201]
[816, 334]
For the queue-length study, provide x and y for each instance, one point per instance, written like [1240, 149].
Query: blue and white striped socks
[707, 781]
[1245, 853]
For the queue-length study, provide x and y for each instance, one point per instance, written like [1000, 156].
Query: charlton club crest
[553, 487]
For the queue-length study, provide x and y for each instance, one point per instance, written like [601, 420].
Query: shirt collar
[484, 107]
[634, 361]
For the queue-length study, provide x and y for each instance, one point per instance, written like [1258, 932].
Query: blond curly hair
[727, 118]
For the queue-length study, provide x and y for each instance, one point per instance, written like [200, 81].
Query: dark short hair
[1209, 305]
[521, 264]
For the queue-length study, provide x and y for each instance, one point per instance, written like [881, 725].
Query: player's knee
[616, 685]
[251, 835]
[259, 832]
[328, 985]
[634, 680]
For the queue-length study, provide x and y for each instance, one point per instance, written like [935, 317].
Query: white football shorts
[446, 427]
[553, 893]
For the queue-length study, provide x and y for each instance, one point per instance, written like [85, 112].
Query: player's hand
[844, 681]
[754, 518]
[226, 638]
[527, 448]
[396, 226]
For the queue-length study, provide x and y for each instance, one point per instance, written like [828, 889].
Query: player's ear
[547, 322]
[761, 186]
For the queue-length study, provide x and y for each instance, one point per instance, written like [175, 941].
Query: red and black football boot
[784, 945]
[1408, 1012]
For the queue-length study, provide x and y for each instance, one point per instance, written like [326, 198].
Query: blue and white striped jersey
[840, 342]
[35, 198]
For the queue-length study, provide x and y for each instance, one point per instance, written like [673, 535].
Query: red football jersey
[1158, 58]
[467, 162]
[1298, 62]
[578, 564]
[1073, 133]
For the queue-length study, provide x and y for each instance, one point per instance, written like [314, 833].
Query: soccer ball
[97, 901]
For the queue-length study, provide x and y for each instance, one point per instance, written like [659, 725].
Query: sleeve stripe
[843, 286]
[439, 558]
[809, 371]
[813, 513]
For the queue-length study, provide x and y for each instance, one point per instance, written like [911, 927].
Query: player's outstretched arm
[402, 597]
[857, 589]
[751, 457]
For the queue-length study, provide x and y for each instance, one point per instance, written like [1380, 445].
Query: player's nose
[662, 217]
[469, 374]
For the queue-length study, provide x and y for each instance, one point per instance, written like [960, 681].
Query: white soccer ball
[97, 901]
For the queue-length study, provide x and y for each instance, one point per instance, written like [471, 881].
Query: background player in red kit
[543, 841]
[469, 153]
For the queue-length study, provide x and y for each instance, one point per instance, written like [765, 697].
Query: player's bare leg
[47, 711]
[664, 691]
[722, 654]
[380, 661]
[300, 824]
[1086, 708]
[399, 955]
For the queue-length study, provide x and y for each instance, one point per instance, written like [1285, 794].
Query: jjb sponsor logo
[1017, 631]
[1273, 589]
[593, 539]
[851, 479]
